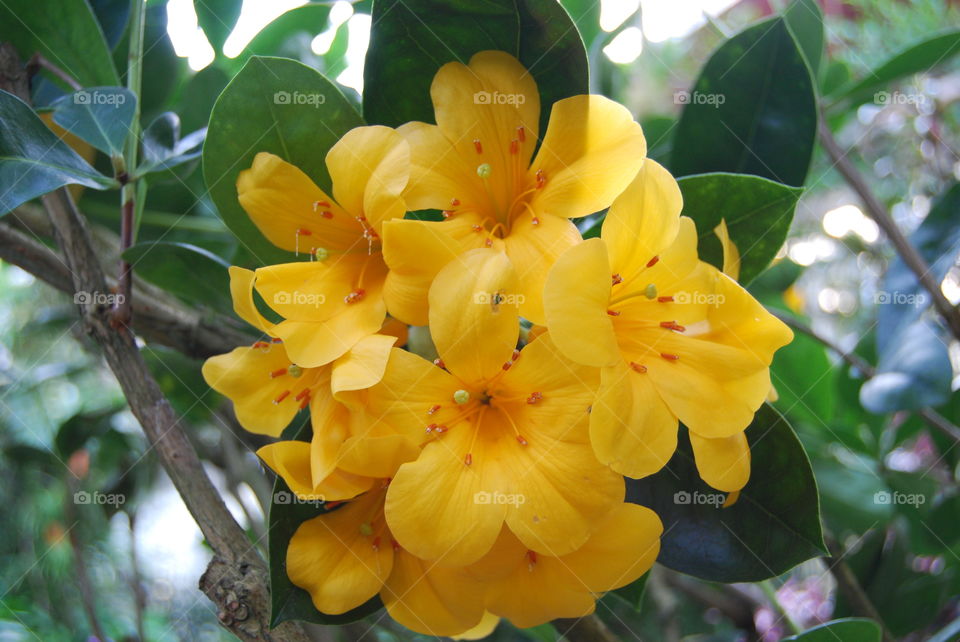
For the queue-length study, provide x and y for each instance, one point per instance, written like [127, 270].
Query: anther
[670, 357]
[638, 367]
[455, 202]
[318, 204]
[305, 401]
[283, 395]
[672, 325]
[521, 440]
[535, 220]
[653, 261]
[355, 296]
[477, 227]
[507, 364]
[521, 134]
[468, 459]
[431, 428]
[375, 545]
[650, 291]
[261, 344]
[531, 560]
[327, 214]
[488, 243]
[447, 213]
[441, 429]
[278, 373]
[303, 394]
[541, 179]
[477, 145]
[439, 363]
[515, 355]
[613, 313]
[617, 279]
[433, 409]
[461, 397]
[534, 397]
[395, 544]
[664, 299]
[304, 232]
[514, 146]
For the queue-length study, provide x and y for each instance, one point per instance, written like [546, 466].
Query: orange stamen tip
[670, 357]
[304, 232]
[477, 227]
[521, 440]
[521, 134]
[455, 202]
[637, 367]
[468, 459]
[376, 543]
[303, 394]
[541, 178]
[447, 213]
[261, 344]
[283, 395]
[278, 373]
[362, 218]
[488, 243]
[355, 296]
[441, 429]
[433, 409]
[326, 214]
[477, 145]
[616, 278]
[665, 299]
[534, 397]
[653, 261]
[395, 544]
[330, 505]
[275, 340]
[531, 559]
[613, 313]
[318, 204]
[304, 402]
[535, 221]
[506, 365]
[514, 146]
[516, 355]
[439, 363]
[672, 325]
[431, 428]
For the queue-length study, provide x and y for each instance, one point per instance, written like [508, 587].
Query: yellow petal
[576, 296]
[363, 365]
[631, 428]
[280, 199]
[415, 251]
[241, 290]
[376, 455]
[486, 626]
[590, 153]
[644, 220]
[333, 556]
[474, 314]
[432, 599]
[369, 167]
[439, 175]
[533, 249]
[731, 256]
[723, 463]
[291, 461]
[244, 376]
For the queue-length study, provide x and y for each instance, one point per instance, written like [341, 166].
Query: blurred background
[91, 525]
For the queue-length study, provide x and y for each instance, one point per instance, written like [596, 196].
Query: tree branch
[876, 211]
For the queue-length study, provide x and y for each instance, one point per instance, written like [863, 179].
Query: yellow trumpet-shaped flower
[675, 338]
[331, 301]
[504, 432]
[475, 165]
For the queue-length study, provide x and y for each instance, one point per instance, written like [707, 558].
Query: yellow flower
[331, 301]
[674, 337]
[475, 165]
[504, 432]
[530, 588]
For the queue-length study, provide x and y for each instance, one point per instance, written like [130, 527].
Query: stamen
[439, 363]
[431, 428]
[455, 202]
[305, 401]
[447, 213]
[535, 220]
[541, 179]
[638, 367]
[534, 397]
[283, 395]
[650, 291]
[531, 560]
[461, 397]
[441, 429]
[613, 313]
[672, 325]
[506, 365]
[468, 459]
[260, 344]
[433, 409]
[375, 545]
[521, 440]
[514, 146]
[294, 370]
[395, 544]
[664, 299]
[521, 134]
[515, 355]
[617, 279]
[355, 296]
[318, 204]
[303, 394]
[488, 243]
[653, 261]
[304, 232]
[477, 227]
[278, 373]
[477, 145]
[276, 340]
[670, 357]
[327, 214]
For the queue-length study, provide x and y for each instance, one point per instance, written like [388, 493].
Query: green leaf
[917, 58]
[189, 272]
[847, 630]
[758, 213]
[217, 19]
[70, 38]
[806, 381]
[539, 33]
[290, 35]
[773, 526]
[805, 20]
[257, 112]
[101, 116]
[586, 15]
[752, 110]
[33, 161]
[163, 148]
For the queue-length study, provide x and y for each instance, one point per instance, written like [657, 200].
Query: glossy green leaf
[773, 526]
[189, 272]
[113, 16]
[70, 38]
[164, 149]
[586, 15]
[805, 20]
[847, 630]
[751, 111]
[758, 213]
[917, 58]
[539, 33]
[261, 111]
[217, 19]
[101, 116]
[33, 161]
[805, 381]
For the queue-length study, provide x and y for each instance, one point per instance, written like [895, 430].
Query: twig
[876, 211]
[589, 628]
[849, 586]
[38, 61]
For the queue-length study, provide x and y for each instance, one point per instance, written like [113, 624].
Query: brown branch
[876, 211]
[849, 586]
[237, 578]
[38, 61]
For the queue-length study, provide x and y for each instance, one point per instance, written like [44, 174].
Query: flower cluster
[488, 482]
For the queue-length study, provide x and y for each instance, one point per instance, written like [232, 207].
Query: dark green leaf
[191, 273]
[101, 116]
[658, 131]
[163, 148]
[751, 111]
[586, 15]
[805, 381]
[805, 20]
[217, 19]
[758, 213]
[70, 38]
[917, 58]
[33, 161]
[256, 113]
[112, 16]
[846, 630]
[773, 526]
[540, 34]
